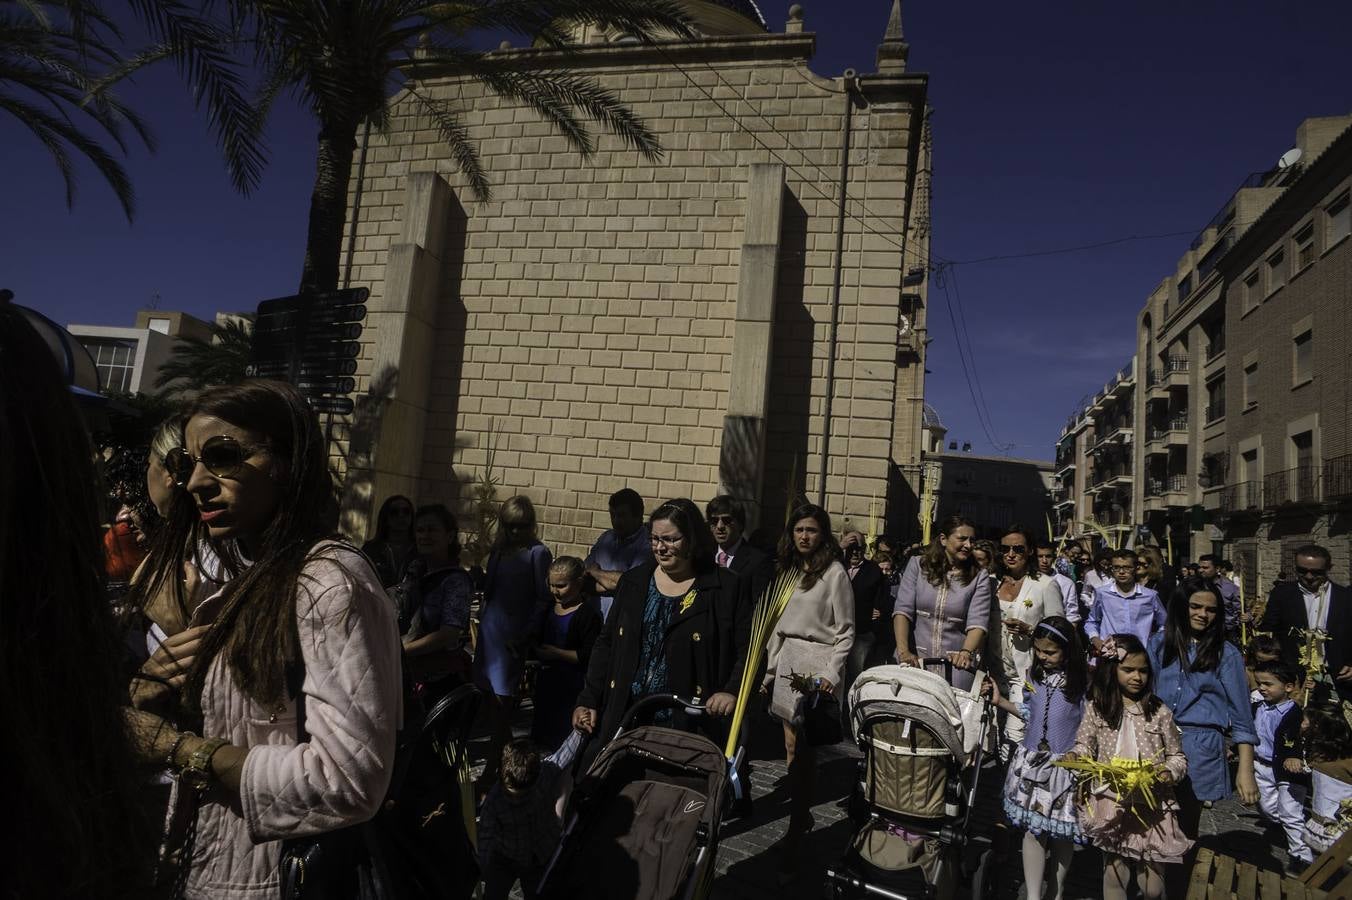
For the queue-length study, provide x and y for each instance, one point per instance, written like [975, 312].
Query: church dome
[746, 8]
[929, 418]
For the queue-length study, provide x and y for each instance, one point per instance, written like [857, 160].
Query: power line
[981, 417]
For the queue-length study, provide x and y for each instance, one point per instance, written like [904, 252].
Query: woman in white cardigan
[813, 638]
[298, 610]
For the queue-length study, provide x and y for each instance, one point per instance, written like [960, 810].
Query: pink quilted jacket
[350, 643]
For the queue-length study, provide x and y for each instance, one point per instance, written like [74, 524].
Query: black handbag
[819, 712]
[346, 864]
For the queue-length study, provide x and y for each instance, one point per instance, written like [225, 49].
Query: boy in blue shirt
[1277, 759]
[1123, 607]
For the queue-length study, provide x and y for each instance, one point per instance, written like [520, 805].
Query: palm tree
[59, 60]
[346, 59]
[196, 364]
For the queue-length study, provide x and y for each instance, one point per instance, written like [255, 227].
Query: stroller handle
[658, 702]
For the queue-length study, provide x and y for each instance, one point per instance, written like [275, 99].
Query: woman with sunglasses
[301, 627]
[394, 544]
[944, 603]
[680, 625]
[1024, 598]
[516, 596]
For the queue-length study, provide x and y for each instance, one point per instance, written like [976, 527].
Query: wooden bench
[1216, 876]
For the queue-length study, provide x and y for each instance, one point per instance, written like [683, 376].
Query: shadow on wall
[786, 453]
[994, 494]
[357, 504]
[437, 481]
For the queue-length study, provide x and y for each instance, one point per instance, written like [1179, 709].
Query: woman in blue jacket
[1200, 676]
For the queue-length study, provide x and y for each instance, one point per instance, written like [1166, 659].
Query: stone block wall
[586, 311]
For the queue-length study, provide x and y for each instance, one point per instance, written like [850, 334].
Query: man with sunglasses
[1313, 603]
[727, 522]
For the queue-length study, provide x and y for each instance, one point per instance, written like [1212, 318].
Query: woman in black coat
[680, 625]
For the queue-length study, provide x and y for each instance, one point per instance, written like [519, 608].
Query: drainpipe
[851, 82]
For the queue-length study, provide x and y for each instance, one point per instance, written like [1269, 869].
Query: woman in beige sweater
[813, 638]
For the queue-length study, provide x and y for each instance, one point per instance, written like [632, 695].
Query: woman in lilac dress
[516, 594]
[944, 603]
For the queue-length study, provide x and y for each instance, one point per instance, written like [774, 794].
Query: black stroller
[644, 820]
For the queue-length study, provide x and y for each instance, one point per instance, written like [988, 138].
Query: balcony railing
[1338, 477]
[1111, 517]
[1298, 485]
[1176, 423]
[1242, 496]
[1215, 411]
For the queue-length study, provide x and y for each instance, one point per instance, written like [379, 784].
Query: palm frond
[458, 142]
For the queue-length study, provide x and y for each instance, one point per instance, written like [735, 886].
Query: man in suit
[1314, 602]
[727, 521]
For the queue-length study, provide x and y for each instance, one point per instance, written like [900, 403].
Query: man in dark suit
[1314, 602]
[873, 639]
[727, 521]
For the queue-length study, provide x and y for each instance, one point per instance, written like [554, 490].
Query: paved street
[747, 870]
[748, 866]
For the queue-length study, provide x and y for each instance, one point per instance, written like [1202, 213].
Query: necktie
[721, 557]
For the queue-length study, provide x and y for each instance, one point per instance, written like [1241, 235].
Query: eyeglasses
[1013, 549]
[222, 455]
[722, 520]
[1124, 568]
[1318, 573]
[667, 542]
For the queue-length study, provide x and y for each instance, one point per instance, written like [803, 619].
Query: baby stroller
[923, 741]
[644, 820]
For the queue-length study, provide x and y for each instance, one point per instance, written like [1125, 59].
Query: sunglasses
[222, 455]
[1013, 549]
[1301, 570]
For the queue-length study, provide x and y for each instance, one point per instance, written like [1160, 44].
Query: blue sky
[1057, 124]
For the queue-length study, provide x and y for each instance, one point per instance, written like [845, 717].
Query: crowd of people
[249, 682]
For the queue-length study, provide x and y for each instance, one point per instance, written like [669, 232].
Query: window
[1251, 385]
[1276, 267]
[1340, 219]
[1302, 448]
[1002, 513]
[115, 361]
[969, 506]
[1252, 291]
[1304, 239]
[1215, 399]
[1302, 357]
[1184, 287]
[1249, 465]
[158, 324]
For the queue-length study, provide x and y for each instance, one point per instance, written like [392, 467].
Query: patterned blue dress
[1039, 795]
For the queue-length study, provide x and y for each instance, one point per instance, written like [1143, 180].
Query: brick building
[1240, 410]
[677, 326]
[1285, 476]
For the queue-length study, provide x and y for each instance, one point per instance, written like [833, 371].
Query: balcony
[1114, 432]
[1172, 374]
[1215, 346]
[1172, 433]
[1338, 478]
[1247, 495]
[1215, 411]
[1298, 485]
[1065, 466]
[1111, 517]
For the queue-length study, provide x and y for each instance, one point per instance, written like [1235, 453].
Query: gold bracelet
[197, 773]
[173, 750]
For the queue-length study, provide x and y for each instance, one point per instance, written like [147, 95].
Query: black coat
[755, 567]
[706, 645]
[871, 592]
[1285, 611]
